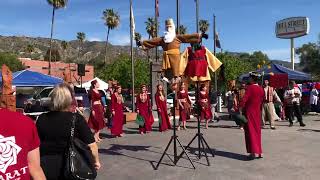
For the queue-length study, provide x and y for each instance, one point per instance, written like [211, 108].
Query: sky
[243, 25]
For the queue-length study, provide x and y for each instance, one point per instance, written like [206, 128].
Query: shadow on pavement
[115, 150]
[309, 130]
[223, 126]
[226, 154]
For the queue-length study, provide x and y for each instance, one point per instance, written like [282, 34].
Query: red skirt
[206, 113]
[96, 122]
[196, 68]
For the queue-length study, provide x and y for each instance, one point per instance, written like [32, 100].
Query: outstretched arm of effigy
[148, 44]
[190, 38]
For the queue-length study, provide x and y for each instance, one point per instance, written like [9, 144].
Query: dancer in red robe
[252, 104]
[184, 105]
[161, 102]
[144, 109]
[205, 105]
[96, 119]
[117, 112]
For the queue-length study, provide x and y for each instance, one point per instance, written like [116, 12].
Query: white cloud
[94, 39]
[119, 38]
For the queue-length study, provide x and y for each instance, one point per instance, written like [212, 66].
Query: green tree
[81, 37]
[137, 36]
[11, 60]
[204, 25]
[55, 55]
[64, 46]
[112, 21]
[120, 70]
[183, 29]
[234, 66]
[30, 49]
[56, 4]
[310, 58]
[259, 58]
[151, 27]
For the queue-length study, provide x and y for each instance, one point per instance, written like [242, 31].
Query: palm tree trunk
[105, 56]
[50, 49]
[79, 51]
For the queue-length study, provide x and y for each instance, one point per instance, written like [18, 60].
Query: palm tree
[183, 29]
[56, 4]
[203, 25]
[151, 27]
[112, 21]
[81, 36]
[64, 45]
[30, 49]
[137, 36]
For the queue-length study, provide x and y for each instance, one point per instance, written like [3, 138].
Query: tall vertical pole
[175, 96]
[156, 13]
[214, 51]
[178, 16]
[51, 34]
[197, 15]
[131, 53]
[292, 52]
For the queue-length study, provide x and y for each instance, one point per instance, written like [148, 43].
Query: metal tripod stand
[174, 139]
[202, 143]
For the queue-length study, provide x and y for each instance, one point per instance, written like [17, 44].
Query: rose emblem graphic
[8, 152]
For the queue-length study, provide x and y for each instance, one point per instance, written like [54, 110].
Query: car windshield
[45, 92]
[170, 96]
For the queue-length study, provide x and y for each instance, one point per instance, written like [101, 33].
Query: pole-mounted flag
[157, 8]
[133, 25]
[218, 45]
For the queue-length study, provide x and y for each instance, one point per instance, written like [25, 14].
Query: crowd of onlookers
[44, 144]
[280, 104]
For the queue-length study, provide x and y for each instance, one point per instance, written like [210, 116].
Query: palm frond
[58, 3]
[203, 25]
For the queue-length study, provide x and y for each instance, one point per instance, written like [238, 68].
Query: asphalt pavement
[289, 153]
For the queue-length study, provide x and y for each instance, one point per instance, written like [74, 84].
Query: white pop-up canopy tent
[103, 85]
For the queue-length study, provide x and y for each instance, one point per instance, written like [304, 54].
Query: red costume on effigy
[144, 108]
[184, 110]
[205, 106]
[162, 112]
[96, 121]
[118, 117]
[251, 104]
[197, 62]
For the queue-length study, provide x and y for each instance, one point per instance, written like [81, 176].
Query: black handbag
[79, 162]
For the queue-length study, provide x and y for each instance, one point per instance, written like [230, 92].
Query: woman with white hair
[54, 132]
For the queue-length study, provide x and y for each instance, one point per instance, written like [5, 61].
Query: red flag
[157, 7]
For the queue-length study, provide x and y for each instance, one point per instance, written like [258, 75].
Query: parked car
[42, 99]
[191, 94]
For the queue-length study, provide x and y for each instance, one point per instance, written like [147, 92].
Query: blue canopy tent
[28, 78]
[278, 69]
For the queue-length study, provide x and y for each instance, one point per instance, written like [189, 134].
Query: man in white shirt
[292, 97]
